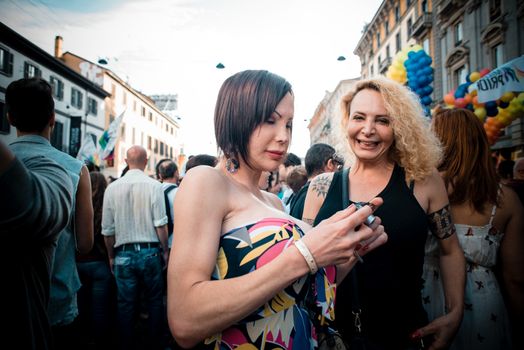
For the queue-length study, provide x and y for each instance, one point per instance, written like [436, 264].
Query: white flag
[108, 139]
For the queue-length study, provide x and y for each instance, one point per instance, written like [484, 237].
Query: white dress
[485, 324]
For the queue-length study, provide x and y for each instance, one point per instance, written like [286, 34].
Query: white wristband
[303, 249]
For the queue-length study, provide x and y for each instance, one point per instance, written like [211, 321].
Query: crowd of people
[417, 243]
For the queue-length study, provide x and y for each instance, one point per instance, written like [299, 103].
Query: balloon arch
[412, 66]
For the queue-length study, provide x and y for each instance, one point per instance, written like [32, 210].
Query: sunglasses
[337, 160]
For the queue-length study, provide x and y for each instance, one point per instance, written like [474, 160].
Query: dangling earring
[232, 165]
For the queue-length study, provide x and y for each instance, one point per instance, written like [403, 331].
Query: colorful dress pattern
[284, 321]
[485, 324]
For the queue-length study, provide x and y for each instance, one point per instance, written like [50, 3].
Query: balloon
[507, 96]
[480, 113]
[491, 104]
[473, 77]
[484, 71]
[503, 104]
[460, 103]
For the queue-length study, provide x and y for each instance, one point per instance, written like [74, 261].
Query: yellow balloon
[507, 96]
[480, 113]
[505, 120]
[502, 112]
[473, 77]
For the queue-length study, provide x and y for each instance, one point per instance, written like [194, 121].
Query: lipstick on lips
[276, 155]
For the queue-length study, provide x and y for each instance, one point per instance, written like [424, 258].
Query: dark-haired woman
[242, 268]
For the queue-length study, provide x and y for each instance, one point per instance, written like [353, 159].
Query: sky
[173, 47]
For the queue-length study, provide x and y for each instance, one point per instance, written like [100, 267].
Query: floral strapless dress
[284, 321]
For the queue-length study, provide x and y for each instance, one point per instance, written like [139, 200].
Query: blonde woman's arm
[452, 263]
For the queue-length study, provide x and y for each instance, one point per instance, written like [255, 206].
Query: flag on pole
[88, 151]
[108, 139]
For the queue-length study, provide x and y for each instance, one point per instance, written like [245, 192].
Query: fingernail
[417, 334]
[358, 246]
[372, 206]
[365, 248]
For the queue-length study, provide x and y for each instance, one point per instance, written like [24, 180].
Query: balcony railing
[445, 7]
[421, 25]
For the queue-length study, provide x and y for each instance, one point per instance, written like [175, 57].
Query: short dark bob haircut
[245, 101]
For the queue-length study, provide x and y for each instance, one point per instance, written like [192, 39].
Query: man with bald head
[135, 232]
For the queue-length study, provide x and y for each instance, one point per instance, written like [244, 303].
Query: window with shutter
[58, 88]
[57, 136]
[31, 71]
[6, 62]
[4, 124]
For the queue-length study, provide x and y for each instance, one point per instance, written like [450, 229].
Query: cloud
[172, 46]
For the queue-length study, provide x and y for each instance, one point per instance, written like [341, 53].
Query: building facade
[461, 36]
[325, 125]
[143, 122]
[79, 104]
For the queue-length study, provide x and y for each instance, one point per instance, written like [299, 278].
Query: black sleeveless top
[390, 279]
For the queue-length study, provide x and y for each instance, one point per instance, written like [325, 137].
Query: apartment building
[396, 24]
[79, 103]
[325, 125]
[143, 122]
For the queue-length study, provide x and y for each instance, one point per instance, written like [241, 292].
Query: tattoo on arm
[440, 223]
[321, 186]
[309, 221]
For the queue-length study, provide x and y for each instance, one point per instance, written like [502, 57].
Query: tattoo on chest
[440, 223]
[321, 186]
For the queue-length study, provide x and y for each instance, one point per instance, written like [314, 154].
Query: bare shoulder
[320, 184]
[510, 201]
[203, 177]
[204, 192]
[315, 196]
[431, 192]
[432, 182]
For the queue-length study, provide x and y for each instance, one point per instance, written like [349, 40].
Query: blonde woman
[395, 158]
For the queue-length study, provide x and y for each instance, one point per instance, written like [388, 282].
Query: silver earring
[232, 165]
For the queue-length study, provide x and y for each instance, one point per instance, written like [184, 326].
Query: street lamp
[220, 66]
[341, 58]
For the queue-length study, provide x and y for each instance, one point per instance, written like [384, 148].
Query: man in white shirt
[134, 225]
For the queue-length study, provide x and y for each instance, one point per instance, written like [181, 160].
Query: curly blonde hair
[415, 148]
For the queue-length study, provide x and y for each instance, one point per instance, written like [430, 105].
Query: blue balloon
[491, 105]
[426, 100]
[459, 93]
[492, 111]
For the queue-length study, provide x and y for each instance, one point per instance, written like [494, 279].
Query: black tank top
[390, 279]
